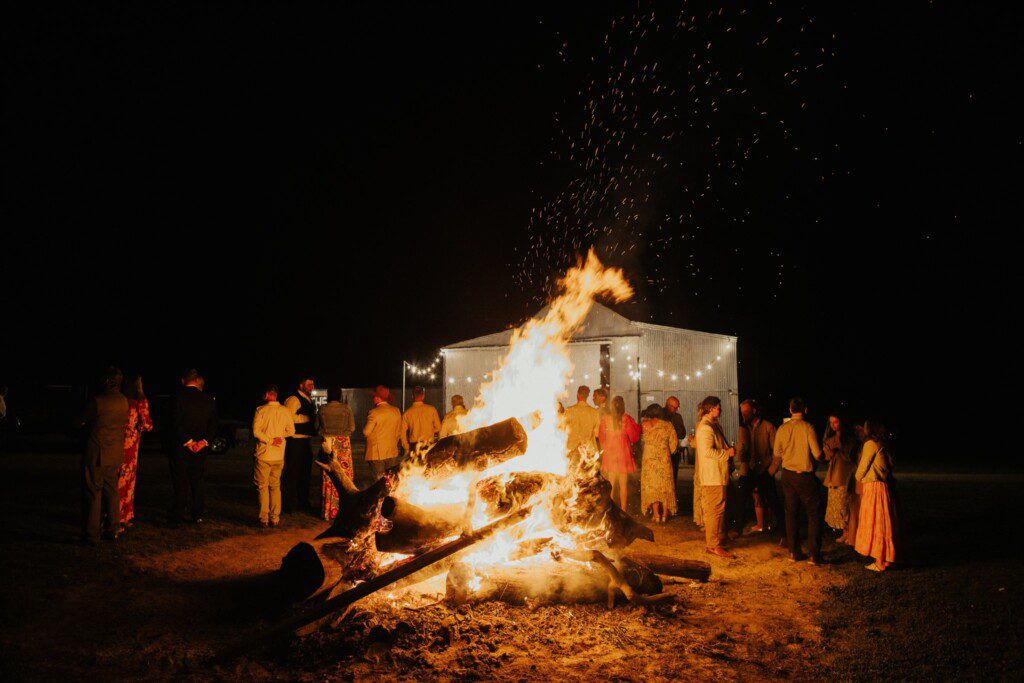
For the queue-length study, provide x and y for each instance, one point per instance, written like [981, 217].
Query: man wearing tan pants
[713, 453]
[272, 424]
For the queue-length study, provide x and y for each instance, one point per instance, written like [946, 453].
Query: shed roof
[601, 323]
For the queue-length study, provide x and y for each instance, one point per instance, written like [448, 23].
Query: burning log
[341, 601]
[413, 527]
[506, 492]
[480, 448]
[672, 566]
[591, 578]
[556, 582]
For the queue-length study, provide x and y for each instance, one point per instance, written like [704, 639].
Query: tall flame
[536, 370]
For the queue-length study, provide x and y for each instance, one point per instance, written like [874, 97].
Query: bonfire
[500, 508]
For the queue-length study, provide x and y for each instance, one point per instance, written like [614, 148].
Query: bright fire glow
[527, 384]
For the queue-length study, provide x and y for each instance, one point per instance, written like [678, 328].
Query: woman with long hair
[139, 421]
[877, 529]
[336, 427]
[657, 486]
[617, 433]
[839, 445]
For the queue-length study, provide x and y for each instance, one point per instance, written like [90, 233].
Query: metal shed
[641, 362]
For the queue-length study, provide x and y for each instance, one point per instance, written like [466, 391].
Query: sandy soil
[157, 604]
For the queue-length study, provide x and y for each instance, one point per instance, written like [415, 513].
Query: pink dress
[617, 444]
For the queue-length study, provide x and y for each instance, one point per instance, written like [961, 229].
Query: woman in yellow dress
[657, 489]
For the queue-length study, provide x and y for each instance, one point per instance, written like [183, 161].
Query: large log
[505, 492]
[413, 527]
[555, 582]
[397, 573]
[672, 566]
[478, 449]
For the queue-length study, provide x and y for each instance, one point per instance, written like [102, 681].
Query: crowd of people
[730, 481]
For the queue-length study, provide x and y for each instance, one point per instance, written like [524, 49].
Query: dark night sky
[263, 189]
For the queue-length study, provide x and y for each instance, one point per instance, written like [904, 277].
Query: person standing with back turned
[193, 424]
[106, 416]
[796, 450]
[298, 451]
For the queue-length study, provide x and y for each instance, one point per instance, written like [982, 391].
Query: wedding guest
[617, 433]
[601, 400]
[193, 424]
[740, 495]
[657, 490]
[336, 427]
[838, 444]
[383, 432]
[420, 423]
[877, 528]
[106, 417]
[713, 454]
[450, 423]
[582, 421]
[796, 450]
[272, 424]
[676, 420]
[768, 509]
[139, 421]
[298, 451]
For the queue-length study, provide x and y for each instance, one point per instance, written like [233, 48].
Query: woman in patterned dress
[839, 445]
[336, 427]
[617, 433]
[657, 489]
[138, 421]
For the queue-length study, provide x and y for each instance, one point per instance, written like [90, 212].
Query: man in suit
[421, 423]
[106, 416]
[383, 431]
[582, 420]
[193, 424]
[450, 423]
[298, 451]
[713, 454]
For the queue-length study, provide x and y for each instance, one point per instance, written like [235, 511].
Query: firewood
[672, 566]
[342, 601]
[478, 449]
[505, 492]
[357, 510]
[413, 527]
[556, 582]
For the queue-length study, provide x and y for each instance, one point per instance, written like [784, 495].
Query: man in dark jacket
[193, 425]
[106, 416]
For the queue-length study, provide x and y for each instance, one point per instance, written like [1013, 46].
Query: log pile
[342, 564]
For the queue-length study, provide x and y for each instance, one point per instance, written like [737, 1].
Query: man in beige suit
[420, 424]
[450, 423]
[582, 420]
[107, 418]
[713, 453]
[383, 432]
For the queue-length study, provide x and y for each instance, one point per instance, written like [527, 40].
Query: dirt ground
[156, 604]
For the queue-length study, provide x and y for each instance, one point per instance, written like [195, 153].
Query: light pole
[405, 365]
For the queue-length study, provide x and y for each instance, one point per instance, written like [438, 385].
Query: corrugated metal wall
[665, 358]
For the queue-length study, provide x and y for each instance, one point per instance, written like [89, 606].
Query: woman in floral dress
[657, 489]
[138, 421]
[336, 427]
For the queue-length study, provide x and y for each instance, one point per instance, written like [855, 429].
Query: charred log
[413, 527]
[672, 566]
[478, 449]
[312, 569]
[505, 492]
[357, 510]
[560, 582]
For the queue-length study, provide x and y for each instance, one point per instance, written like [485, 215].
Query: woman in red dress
[617, 433]
[138, 421]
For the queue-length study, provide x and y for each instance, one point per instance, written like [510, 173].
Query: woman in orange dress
[336, 427]
[877, 529]
[138, 421]
[617, 433]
